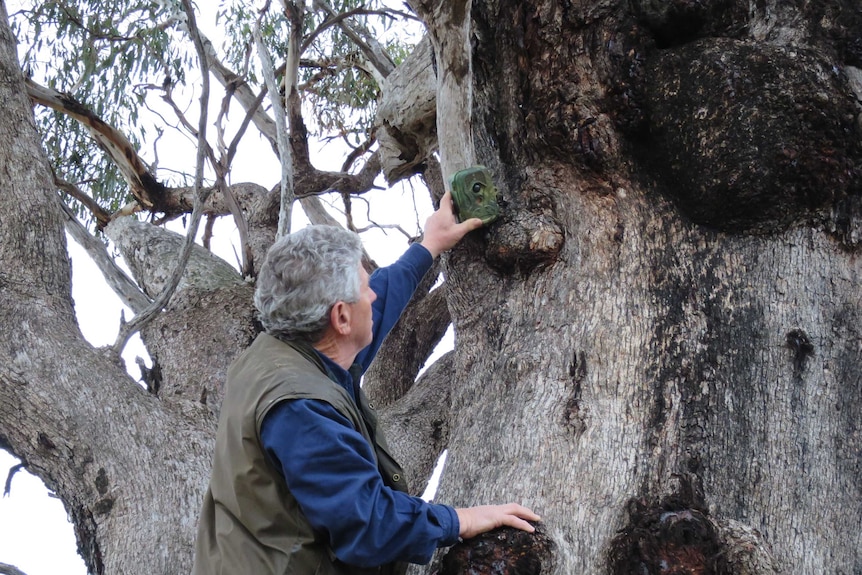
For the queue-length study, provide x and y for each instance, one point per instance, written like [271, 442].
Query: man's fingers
[522, 514]
[519, 524]
[446, 201]
[473, 224]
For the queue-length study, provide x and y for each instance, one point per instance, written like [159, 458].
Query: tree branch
[449, 25]
[241, 90]
[418, 424]
[101, 215]
[6, 569]
[222, 169]
[409, 344]
[123, 286]
[143, 186]
[290, 78]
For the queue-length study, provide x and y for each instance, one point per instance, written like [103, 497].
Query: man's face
[361, 320]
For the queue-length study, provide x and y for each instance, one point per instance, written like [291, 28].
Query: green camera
[474, 194]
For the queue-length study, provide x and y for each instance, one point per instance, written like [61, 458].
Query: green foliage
[114, 57]
[104, 54]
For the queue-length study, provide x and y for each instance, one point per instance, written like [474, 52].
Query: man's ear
[339, 318]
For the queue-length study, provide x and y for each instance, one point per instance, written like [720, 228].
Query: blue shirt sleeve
[394, 286]
[335, 480]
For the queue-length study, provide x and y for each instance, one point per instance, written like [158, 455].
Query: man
[302, 482]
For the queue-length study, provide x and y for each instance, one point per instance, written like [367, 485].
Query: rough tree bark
[657, 346]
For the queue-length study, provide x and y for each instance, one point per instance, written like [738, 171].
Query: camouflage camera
[474, 194]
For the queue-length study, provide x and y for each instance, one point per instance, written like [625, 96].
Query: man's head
[303, 276]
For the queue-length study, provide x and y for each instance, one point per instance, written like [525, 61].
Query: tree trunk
[661, 335]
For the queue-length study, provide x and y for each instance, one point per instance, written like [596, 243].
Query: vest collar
[348, 379]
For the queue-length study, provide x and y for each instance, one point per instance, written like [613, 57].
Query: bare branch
[222, 169]
[355, 153]
[101, 215]
[307, 180]
[284, 151]
[449, 25]
[243, 93]
[143, 186]
[122, 284]
[317, 214]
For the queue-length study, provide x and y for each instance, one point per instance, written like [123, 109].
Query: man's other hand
[476, 520]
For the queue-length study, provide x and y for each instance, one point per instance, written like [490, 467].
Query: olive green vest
[250, 523]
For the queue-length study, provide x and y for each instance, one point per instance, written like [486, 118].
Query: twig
[12, 471]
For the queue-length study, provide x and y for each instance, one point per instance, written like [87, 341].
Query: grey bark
[117, 457]
[692, 314]
[407, 115]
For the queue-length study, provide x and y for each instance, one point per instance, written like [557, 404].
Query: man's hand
[476, 520]
[442, 230]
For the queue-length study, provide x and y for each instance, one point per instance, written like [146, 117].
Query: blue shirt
[330, 469]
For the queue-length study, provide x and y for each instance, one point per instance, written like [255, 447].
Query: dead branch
[143, 186]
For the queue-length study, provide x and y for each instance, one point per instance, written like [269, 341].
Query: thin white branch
[449, 24]
[284, 151]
